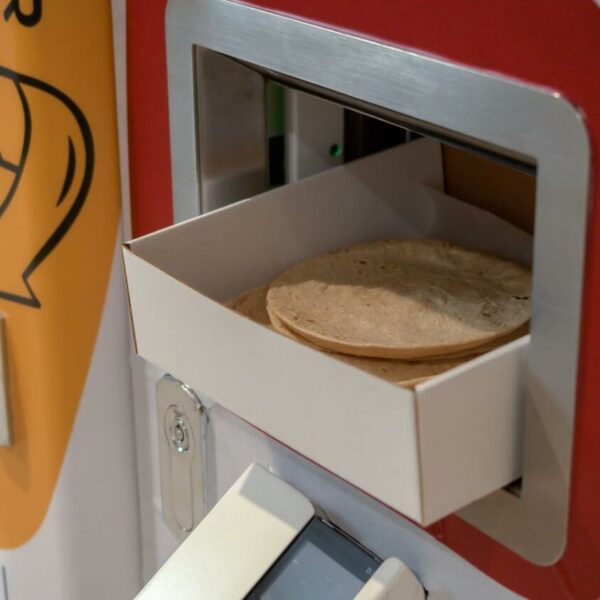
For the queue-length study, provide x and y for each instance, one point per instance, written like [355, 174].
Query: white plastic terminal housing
[392, 581]
[236, 543]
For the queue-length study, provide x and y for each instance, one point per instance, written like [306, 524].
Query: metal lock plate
[181, 418]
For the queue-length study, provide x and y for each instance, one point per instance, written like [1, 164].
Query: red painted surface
[149, 158]
[555, 44]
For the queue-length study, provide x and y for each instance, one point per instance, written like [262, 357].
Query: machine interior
[489, 180]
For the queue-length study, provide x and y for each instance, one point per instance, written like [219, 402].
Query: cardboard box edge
[125, 252]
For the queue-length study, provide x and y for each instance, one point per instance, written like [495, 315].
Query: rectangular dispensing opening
[223, 59]
[258, 130]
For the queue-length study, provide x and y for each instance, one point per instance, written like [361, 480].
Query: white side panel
[157, 542]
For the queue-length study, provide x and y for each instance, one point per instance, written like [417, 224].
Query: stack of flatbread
[401, 309]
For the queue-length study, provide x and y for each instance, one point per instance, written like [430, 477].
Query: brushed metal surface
[533, 125]
[231, 130]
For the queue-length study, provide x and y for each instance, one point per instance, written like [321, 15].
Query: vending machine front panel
[489, 49]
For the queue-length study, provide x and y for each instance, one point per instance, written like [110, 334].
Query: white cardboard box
[425, 453]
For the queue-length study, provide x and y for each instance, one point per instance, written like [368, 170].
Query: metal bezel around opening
[210, 38]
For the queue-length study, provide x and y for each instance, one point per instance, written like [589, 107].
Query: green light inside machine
[335, 150]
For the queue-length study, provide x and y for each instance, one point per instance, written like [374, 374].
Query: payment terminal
[264, 541]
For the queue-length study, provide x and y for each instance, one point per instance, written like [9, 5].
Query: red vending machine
[284, 104]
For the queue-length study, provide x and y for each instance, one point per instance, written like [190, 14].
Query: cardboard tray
[425, 452]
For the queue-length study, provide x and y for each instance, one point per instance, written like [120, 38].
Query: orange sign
[59, 214]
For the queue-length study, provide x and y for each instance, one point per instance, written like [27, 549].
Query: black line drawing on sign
[62, 206]
[27, 19]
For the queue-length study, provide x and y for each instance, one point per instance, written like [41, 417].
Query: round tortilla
[252, 304]
[278, 325]
[402, 298]
[399, 372]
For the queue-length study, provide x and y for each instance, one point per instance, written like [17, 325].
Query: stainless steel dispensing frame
[219, 56]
